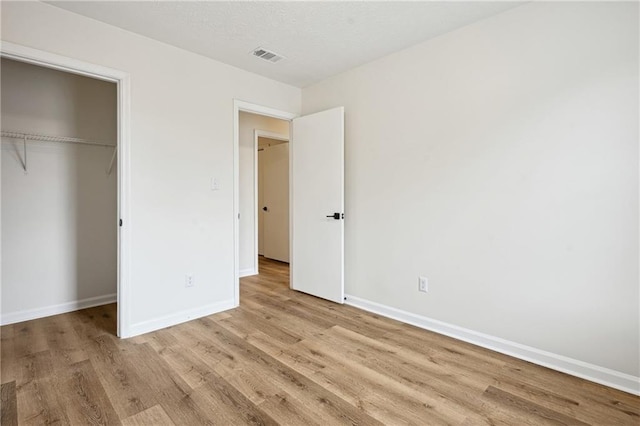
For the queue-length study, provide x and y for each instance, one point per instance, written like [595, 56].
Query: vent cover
[267, 55]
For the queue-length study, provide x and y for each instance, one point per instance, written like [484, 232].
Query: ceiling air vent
[267, 55]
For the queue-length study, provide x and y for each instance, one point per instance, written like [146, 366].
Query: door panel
[317, 172]
[276, 199]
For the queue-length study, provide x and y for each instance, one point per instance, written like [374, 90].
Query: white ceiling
[318, 39]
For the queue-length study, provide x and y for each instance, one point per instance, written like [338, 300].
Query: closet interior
[59, 191]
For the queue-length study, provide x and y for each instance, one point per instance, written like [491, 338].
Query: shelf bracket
[24, 148]
[113, 159]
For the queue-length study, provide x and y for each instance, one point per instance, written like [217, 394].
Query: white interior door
[317, 173]
[275, 174]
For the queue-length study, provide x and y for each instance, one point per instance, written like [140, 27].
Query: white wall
[45, 101]
[59, 220]
[181, 137]
[247, 124]
[501, 161]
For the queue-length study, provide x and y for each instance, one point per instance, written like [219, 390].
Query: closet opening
[61, 199]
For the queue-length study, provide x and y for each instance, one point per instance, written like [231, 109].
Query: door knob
[336, 216]
[264, 208]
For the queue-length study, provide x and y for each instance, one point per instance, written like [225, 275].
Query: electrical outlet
[423, 284]
[189, 281]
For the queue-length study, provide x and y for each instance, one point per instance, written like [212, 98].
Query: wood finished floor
[281, 358]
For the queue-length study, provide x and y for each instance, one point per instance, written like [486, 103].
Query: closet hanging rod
[46, 138]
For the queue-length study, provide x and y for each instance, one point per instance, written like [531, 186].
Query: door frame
[239, 105]
[121, 79]
[260, 134]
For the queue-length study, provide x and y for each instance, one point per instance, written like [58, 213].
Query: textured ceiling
[318, 39]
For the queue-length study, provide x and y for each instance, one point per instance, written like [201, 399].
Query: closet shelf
[35, 137]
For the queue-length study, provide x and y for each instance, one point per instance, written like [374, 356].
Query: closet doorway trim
[62, 63]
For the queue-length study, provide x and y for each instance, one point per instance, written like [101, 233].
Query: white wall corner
[179, 317]
[62, 308]
[604, 376]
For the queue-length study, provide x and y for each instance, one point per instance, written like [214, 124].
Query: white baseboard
[62, 308]
[605, 376]
[179, 317]
[247, 272]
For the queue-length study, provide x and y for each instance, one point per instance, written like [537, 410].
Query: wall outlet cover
[423, 284]
[189, 281]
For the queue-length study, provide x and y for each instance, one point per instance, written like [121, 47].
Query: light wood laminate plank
[282, 357]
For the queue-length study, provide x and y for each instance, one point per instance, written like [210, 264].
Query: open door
[317, 211]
